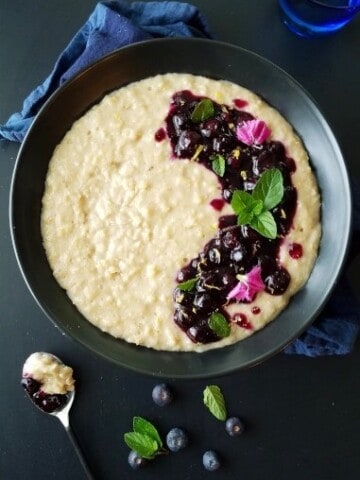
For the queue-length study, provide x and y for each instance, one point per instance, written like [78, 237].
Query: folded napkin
[117, 23]
[336, 329]
[111, 25]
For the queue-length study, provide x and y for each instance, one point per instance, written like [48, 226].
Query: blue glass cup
[314, 18]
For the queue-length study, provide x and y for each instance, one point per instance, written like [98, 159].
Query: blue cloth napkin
[336, 329]
[111, 25]
[117, 23]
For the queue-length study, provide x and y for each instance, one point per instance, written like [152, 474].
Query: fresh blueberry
[135, 461]
[211, 460]
[162, 394]
[234, 426]
[176, 439]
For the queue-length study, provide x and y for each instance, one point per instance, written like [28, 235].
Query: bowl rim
[346, 194]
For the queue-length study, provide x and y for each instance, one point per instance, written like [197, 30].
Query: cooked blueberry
[211, 460]
[201, 332]
[182, 297]
[243, 116]
[50, 403]
[230, 239]
[186, 273]
[277, 282]
[238, 253]
[182, 318]
[227, 193]
[214, 255]
[223, 143]
[227, 221]
[249, 233]
[179, 122]
[277, 148]
[182, 97]
[188, 141]
[210, 127]
[30, 385]
[203, 301]
[228, 279]
[234, 426]
[135, 461]
[177, 439]
[162, 394]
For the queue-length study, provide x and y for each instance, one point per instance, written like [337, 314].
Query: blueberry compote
[49, 403]
[235, 249]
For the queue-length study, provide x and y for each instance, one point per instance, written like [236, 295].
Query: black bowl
[216, 60]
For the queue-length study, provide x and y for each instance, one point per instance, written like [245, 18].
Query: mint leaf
[187, 285]
[219, 325]
[218, 164]
[143, 445]
[265, 224]
[203, 110]
[269, 188]
[215, 402]
[245, 217]
[245, 206]
[258, 207]
[241, 201]
[143, 426]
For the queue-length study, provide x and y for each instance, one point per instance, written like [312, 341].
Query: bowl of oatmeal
[180, 221]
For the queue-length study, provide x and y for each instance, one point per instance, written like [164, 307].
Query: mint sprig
[254, 209]
[219, 325]
[144, 439]
[203, 111]
[215, 402]
[218, 164]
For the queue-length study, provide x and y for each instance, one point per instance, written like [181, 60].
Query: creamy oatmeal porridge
[133, 201]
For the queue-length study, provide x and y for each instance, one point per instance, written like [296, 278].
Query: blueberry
[187, 143]
[238, 253]
[30, 385]
[50, 403]
[176, 439]
[223, 143]
[203, 301]
[277, 282]
[182, 297]
[162, 394]
[210, 127]
[179, 122]
[230, 239]
[182, 318]
[135, 461]
[211, 460]
[234, 426]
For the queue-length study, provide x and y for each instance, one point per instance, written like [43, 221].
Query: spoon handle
[78, 451]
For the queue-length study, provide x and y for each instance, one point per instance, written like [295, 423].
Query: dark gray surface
[302, 414]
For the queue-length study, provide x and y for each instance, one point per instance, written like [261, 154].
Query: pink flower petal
[248, 287]
[252, 131]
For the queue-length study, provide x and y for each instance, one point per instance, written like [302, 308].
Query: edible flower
[249, 285]
[253, 131]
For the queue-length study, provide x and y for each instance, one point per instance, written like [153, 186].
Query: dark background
[302, 414]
